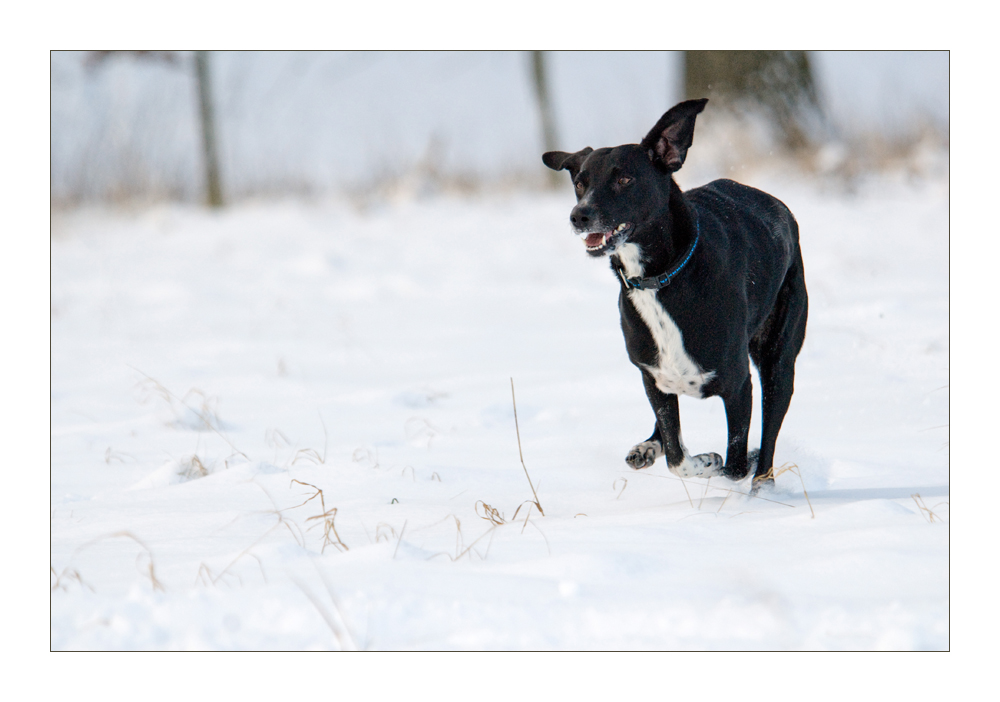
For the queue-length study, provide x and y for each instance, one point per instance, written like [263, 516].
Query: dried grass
[527, 515]
[308, 454]
[300, 538]
[340, 630]
[110, 455]
[149, 570]
[724, 500]
[68, 574]
[204, 572]
[530, 504]
[520, 453]
[325, 519]
[206, 577]
[707, 481]
[684, 483]
[418, 427]
[926, 511]
[210, 420]
[490, 514]
[468, 549]
[614, 486]
[545, 538]
[380, 534]
[461, 549]
[742, 144]
[245, 552]
[730, 490]
[773, 472]
[313, 455]
[275, 438]
[364, 454]
[399, 540]
[194, 468]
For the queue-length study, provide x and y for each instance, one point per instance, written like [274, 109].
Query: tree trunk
[777, 83]
[540, 76]
[213, 182]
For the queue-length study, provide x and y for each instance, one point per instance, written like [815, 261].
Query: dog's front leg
[666, 439]
[645, 454]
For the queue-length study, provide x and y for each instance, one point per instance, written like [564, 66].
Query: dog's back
[753, 236]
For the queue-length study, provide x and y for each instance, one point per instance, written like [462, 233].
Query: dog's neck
[658, 245]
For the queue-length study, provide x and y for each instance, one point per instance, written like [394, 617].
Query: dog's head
[620, 188]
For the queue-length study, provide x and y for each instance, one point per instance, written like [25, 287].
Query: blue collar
[661, 281]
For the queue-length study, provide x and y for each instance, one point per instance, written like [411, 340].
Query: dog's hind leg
[666, 440]
[739, 406]
[774, 351]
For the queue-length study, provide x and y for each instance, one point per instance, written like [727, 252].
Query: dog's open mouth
[599, 242]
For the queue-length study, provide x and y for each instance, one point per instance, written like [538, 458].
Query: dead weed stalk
[684, 483]
[520, 453]
[362, 454]
[380, 533]
[194, 468]
[461, 549]
[110, 455]
[730, 490]
[313, 455]
[340, 630]
[277, 512]
[707, 481]
[149, 570]
[792, 467]
[207, 416]
[614, 486]
[926, 511]
[325, 519]
[490, 514]
[724, 500]
[68, 574]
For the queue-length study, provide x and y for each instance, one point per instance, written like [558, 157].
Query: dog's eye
[624, 180]
[579, 187]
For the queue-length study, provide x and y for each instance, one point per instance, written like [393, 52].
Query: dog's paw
[765, 482]
[644, 455]
[738, 473]
[704, 465]
[711, 464]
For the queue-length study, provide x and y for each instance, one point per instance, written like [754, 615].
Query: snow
[212, 371]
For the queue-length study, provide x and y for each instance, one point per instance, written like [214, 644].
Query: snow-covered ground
[287, 425]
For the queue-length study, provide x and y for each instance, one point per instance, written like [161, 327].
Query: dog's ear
[667, 143]
[560, 160]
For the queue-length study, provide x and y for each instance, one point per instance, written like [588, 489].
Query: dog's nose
[580, 217]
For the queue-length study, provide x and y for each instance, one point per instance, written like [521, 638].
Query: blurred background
[219, 127]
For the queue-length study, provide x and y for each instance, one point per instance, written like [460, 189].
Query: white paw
[644, 455]
[704, 465]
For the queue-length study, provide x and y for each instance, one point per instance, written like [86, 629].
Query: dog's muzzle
[599, 242]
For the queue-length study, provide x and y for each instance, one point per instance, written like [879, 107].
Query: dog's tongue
[595, 238]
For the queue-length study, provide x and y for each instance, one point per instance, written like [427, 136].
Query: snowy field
[289, 426]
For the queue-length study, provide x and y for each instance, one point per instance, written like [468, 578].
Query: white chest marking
[675, 372]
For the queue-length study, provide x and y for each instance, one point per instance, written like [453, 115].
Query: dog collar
[661, 281]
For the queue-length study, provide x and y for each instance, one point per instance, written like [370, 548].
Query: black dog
[708, 277]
